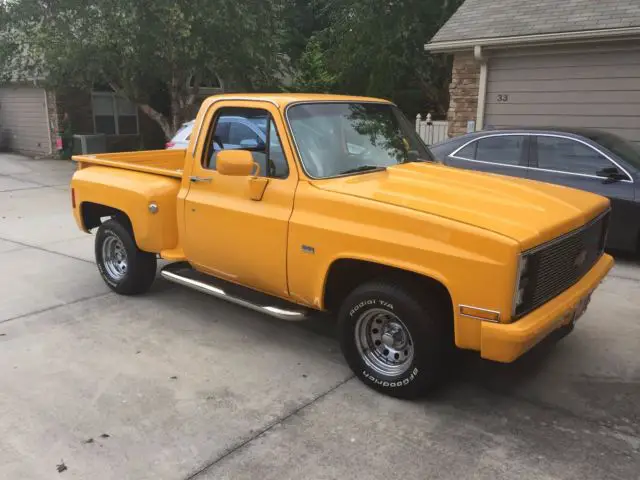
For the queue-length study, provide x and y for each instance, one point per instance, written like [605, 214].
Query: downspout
[482, 86]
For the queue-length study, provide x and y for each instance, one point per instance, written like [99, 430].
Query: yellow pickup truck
[289, 204]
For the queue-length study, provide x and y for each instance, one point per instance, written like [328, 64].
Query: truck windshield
[348, 138]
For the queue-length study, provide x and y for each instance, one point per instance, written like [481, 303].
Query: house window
[114, 115]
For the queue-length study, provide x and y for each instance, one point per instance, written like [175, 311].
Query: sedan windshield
[349, 138]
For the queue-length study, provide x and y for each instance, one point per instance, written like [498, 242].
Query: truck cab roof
[284, 99]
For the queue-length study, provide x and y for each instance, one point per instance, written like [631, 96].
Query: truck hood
[527, 211]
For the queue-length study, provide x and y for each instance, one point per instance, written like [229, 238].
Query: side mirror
[611, 175]
[237, 163]
[606, 172]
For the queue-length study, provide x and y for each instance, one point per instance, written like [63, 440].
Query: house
[30, 117]
[574, 63]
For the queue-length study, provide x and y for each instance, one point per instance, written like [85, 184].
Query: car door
[227, 233]
[572, 162]
[504, 154]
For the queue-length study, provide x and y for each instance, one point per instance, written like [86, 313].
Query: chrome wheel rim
[384, 342]
[114, 257]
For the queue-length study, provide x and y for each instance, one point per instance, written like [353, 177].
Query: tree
[312, 73]
[135, 46]
[302, 19]
[376, 48]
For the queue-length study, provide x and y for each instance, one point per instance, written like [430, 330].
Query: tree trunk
[159, 119]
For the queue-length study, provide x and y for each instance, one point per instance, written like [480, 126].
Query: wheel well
[346, 275]
[94, 213]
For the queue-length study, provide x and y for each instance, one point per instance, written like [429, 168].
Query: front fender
[476, 266]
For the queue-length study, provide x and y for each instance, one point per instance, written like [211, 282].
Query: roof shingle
[505, 18]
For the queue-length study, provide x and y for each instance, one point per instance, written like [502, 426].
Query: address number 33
[502, 98]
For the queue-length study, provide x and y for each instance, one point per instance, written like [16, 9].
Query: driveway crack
[42, 249]
[243, 443]
[24, 315]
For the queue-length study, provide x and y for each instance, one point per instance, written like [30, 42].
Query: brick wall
[52, 119]
[463, 92]
[77, 103]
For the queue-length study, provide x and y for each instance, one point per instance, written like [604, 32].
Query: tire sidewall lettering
[371, 302]
[387, 384]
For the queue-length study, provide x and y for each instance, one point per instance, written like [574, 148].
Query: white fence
[431, 132]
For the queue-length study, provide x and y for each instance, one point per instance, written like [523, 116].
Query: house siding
[23, 113]
[594, 87]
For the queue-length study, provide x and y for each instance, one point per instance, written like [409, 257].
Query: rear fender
[134, 194]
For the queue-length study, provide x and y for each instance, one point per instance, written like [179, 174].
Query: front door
[570, 162]
[228, 234]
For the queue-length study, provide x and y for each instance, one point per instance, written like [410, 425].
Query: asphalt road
[177, 385]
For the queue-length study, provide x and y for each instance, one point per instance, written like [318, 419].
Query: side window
[249, 129]
[468, 152]
[504, 149]
[567, 155]
[221, 135]
[278, 166]
[240, 135]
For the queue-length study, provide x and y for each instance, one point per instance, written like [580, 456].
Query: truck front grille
[561, 263]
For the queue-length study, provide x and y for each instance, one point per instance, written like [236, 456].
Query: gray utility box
[84, 144]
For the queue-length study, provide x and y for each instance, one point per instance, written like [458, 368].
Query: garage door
[595, 89]
[23, 115]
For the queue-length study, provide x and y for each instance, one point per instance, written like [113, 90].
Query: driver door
[228, 234]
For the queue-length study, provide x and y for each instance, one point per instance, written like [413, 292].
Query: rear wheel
[123, 266]
[394, 341]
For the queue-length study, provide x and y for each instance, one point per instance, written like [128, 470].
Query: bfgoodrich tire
[395, 341]
[125, 268]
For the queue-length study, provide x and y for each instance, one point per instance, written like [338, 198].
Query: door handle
[200, 179]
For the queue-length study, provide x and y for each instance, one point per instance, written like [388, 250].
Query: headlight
[523, 281]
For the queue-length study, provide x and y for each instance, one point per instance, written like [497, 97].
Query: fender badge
[308, 249]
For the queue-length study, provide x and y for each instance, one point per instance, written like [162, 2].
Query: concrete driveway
[177, 385]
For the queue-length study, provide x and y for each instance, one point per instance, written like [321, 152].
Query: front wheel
[125, 268]
[394, 340]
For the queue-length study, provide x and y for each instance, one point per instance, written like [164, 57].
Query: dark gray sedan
[589, 160]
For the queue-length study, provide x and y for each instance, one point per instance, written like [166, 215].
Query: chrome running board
[183, 274]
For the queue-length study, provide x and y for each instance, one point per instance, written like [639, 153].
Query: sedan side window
[502, 150]
[241, 135]
[468, 152]
[567, 155]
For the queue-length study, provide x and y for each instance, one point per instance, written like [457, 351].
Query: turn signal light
[480, 313]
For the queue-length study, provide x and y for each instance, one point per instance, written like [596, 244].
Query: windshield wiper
[363, 168]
